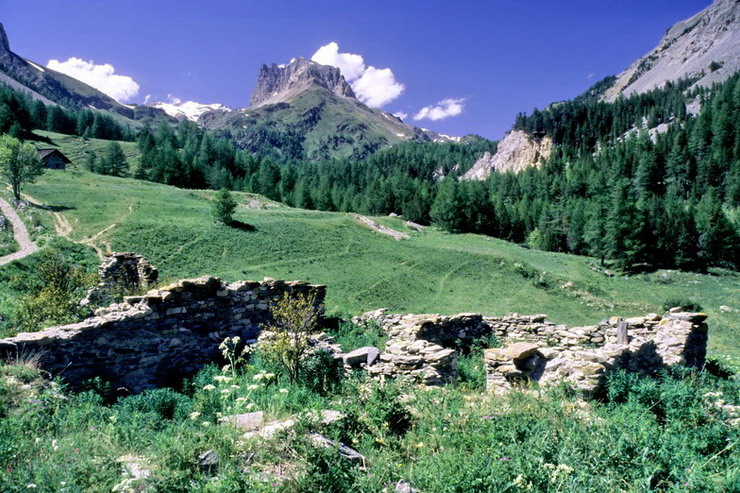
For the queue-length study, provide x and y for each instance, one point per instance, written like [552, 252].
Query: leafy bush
[165, 403]
[322, 373]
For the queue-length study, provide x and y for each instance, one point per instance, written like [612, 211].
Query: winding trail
[27, 247]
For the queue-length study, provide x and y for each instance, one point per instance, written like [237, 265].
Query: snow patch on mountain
[189, 110]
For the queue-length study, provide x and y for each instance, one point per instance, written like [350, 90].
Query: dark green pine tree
[446, 210]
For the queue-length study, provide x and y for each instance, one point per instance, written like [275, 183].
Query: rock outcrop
[706, 46]
[160, 337]
[516, 152]
[281, 83]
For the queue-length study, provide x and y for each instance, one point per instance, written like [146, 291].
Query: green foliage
[352, 336]
[295, 320]
[224, 206]
[686, 303]
[19, 163]
[53, 293]
[321, 372]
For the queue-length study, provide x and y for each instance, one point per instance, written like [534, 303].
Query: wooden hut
[53, 158]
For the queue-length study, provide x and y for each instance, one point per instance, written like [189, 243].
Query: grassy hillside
[76, 148]
[431, 272]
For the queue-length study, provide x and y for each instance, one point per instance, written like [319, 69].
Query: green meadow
[432, 272]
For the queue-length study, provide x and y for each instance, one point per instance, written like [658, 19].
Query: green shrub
[322, 372]
[165, 403]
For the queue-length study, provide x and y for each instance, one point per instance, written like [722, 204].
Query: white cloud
[174, 100]
[443, 109]
[147, 98]
[373, 86]
[401, 114]
[352, 66]
[101, 77]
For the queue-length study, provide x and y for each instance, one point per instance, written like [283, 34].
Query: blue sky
[493, 58]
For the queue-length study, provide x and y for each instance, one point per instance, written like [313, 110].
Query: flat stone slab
[522, 350]
[367, 355]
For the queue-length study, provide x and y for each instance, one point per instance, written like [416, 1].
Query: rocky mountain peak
[281, 83]
[705, 46]
[4, 43]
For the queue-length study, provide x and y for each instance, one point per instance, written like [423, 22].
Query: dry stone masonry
[425, 347]
[157, 338]
[121, 273]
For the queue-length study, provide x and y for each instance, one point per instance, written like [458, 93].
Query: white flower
[226, 391]
[55, 445]
[209, 387]
[241, 399]
[250, 405]
[234, 387]
[222, 378]
[194, 415]
[283, 391]
[258, 377]
[226, 368]
[206, 423]
[31, 486]
[253, 387]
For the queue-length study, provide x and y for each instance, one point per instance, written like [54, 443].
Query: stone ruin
[120, 274]
[425, 347]
[160, 337]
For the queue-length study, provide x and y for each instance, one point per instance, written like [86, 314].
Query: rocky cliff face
[282, 83]
[706, 46]
[516, 152]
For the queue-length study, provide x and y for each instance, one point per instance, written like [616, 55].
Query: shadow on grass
[242, 226]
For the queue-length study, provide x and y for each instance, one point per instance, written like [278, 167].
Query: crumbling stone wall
[157, 338]
[425, 347]
[121, 273]
[652, 342]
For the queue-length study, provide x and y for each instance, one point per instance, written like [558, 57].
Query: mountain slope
[432, 272]
[308, 111]
[705, 47]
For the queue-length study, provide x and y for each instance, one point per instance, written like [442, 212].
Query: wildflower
[112, 418]
[62, 483]
[233, 386]
[222, 378]
[206, 423]
[250, 405]
[420, 445]
[226, 391]
[194, 415]
[519, 480]
[225, 368]
[283, 391]
[31, 486]
[38, 440]
[269, 376]
[258, 377]
[253, 387]
[209, 387]
[241, 399]
[504, 459]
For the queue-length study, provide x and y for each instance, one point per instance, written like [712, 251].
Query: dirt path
[379, 228]
[27, 247]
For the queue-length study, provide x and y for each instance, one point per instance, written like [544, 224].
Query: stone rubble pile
[425, 347]
[572, 356]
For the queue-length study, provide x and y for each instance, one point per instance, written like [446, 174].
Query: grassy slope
[76, 148]
[432, 272]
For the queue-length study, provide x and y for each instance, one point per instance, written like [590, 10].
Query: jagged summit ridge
[281, 83]
[4, 43]
[706, 46]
